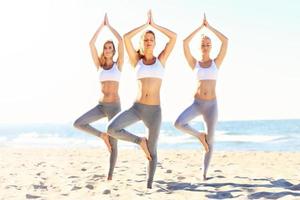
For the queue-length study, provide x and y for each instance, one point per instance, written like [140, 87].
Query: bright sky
[47, 73]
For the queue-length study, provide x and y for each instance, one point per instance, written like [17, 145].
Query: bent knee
[111, 129]
[78, 124]
[178, 124]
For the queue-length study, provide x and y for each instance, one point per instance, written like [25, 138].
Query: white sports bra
[112, 74]
[156, 70]
[207, 73]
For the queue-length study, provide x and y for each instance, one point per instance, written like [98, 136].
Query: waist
[109, 104]
[206, 91]
[150, 106]
[147, 99]
[205, 101]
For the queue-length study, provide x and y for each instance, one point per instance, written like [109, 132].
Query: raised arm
[224, 41]
[93, 48]
[163, 56]
[133, 55]
[186, 48]
[120, 59]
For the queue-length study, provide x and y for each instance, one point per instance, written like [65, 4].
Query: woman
[109, 103]
[150, 70]
[205, 102]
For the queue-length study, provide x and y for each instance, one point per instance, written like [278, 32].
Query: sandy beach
[35, 173]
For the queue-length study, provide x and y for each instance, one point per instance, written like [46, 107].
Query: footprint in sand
[169, 171]
[29, 196]
[107, 191]
[15, 186]
[75, 188]
[96, 176]
[40, 163]
[89, 186]
[180, 177]
[73, 177]
[40, 186]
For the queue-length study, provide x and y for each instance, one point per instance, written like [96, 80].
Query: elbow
[91, 43]
[225, 39]
[185, 43]
[125, 36]
[174, 37]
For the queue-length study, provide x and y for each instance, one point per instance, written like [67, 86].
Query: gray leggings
[151, 116]
[108, 110]
[209, 110]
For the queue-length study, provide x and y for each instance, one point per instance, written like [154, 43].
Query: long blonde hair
[140, 51]
[102, 59]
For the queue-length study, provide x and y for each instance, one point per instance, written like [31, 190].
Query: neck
[149, 56]
[109, 62]
[205, 58]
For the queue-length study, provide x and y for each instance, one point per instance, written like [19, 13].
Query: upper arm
[188, 55]
[95, 56]
[132, 54]
[120, 60]
[222, 53]
[163, 56]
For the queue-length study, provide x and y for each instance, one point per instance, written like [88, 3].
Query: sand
[36, 173]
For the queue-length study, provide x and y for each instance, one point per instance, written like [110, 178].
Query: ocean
[251, 135]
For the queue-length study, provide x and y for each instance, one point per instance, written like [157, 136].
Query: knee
[111, 129]
[178, 124]
[114, 144]
[152, 150]
[210, 141]
[153, 156]
[78, 124]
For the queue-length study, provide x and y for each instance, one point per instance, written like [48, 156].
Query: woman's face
[149, 42]
[108, 50]
[205, 45]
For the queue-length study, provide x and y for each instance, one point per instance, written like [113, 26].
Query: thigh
[189, 114]
[92, 115]
[111, 112]
[124, 119]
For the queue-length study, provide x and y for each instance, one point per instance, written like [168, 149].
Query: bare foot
[105, 138]
[202, 138]
[109, 178]
[144, 147]
[204, 177]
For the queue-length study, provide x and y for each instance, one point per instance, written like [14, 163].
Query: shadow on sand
[210, 189]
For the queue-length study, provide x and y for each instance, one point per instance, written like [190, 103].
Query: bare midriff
[109, 91]
[149, 91]
[206, 90]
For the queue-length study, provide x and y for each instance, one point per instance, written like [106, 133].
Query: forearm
[133, 32]
[191, 36]
[170, 34]
[116, 34]
[95, 36]
[222, 37]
